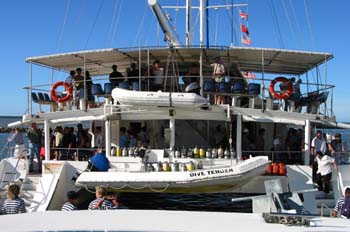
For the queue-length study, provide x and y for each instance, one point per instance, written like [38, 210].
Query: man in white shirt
[318, 143]
[324, 171]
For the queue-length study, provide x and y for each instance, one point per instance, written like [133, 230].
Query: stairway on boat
[28, 189]
[324, 203]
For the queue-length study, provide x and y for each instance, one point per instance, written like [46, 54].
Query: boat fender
[67, 88]
[283, 95]
[275, 169]
[269, 169]
[282, 169]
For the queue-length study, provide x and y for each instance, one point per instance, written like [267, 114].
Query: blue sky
[34, 28]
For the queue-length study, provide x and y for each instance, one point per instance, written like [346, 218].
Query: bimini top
[99, 62]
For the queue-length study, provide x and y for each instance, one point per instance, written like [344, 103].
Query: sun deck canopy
[99, 62]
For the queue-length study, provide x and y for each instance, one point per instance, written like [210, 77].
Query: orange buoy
[269, 169]
[275, 168]
[282, 169]
[284, 95]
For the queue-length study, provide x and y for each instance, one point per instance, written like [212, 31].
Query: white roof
[99, 62]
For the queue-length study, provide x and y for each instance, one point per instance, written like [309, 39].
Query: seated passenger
[158, 72]
[71, 203]
[98, 162]
[13, 204]
[100, 203]
[193, 75]
[342, 207]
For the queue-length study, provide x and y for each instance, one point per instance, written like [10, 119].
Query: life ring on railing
[67, 88]
[283, 95]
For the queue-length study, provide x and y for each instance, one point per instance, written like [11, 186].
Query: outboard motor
[193, 88]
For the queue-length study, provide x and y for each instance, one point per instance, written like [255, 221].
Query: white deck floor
[153, 220]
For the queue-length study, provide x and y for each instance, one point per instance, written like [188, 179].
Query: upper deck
[265, 63]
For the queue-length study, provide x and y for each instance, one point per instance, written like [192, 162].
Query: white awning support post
[108, 138]
[239, 137]
[307, 142]
[47, 139]
[172, 131]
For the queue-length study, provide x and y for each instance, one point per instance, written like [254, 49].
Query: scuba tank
[183, 167]
[200, 165]
[220, 152]
[175, 166]
[183, 152]
[226, 154]
[201, 152]
[214, 153]
[125, 152]
[159, 167]
[189, 153]
[131, 151]
[177, 153]
[166, 166]
[208, 153]
[190, 166]
[196, 152]
[113, 151]
[118, 151]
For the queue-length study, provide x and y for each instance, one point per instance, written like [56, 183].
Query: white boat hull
[165, 99]
[216, 179]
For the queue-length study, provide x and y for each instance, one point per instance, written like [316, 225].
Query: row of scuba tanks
[203, 153]
[177, 153]
[173, 166]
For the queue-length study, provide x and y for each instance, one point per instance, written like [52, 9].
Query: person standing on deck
[324, 172]
[218, 77]
[158, 72]
[20, 148]
[34, 136]
[318, 143]
[115, 77]
[337, 148]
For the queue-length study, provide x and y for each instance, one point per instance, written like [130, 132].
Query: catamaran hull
[163, 99]
[199, 181]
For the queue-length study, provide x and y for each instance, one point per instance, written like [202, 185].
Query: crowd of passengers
[153, 79]
[289, 149]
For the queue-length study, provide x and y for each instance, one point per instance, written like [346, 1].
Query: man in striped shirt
[13, 204]
[71, 203]
[343, 205]
[101, 202]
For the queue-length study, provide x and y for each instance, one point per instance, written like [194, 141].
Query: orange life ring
[284, 95]
[67, 88]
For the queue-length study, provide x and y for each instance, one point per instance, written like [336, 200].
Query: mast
[188, 23]
[164, 24]
[202, 13]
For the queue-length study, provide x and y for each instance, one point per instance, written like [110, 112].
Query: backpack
[345, 211]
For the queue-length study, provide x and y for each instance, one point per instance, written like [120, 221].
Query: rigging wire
[110, 31]
[309, 26]
[288, 19]
[216, 27]
[295, 20]
[64, 25]
[93, 25]
[140, 26]
[117, 21]
[275, 22]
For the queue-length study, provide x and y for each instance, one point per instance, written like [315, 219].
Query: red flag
[243, 15]
[246, 41]
[244, 29]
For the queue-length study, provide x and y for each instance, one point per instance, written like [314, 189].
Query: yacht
[193, 145]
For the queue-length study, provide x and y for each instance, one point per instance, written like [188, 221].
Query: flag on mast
[244, 29]
[246, 41]
[243, 15]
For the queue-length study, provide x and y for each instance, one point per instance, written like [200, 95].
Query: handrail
[323, 205]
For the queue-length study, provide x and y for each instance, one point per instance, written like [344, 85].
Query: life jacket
[345, 211]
